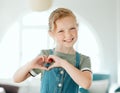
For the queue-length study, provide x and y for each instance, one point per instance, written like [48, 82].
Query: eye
[73, 29]
[60, 31]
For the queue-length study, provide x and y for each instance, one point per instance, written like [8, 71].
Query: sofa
[9, 88]
[100, 84]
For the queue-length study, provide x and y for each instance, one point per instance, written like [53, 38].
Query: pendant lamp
[40, 5]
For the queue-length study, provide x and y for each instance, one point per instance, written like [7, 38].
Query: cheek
[75, 33]
[59, 37]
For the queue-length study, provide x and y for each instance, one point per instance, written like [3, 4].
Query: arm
[23, 72]
[82, 78]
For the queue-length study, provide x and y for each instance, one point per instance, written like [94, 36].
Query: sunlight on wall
[88, 45]
[9, 53]
[27, 37]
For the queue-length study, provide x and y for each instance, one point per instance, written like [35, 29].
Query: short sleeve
[85, 63]
[35, 72]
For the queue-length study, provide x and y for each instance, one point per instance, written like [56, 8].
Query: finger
[39, 58]
[45, 58]
[42, 58]
[51, 58]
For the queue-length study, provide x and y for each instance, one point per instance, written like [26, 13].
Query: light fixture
[40, 5]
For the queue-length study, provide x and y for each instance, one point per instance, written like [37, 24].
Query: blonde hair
[59, 13]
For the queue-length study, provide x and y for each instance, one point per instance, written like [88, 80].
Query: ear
[77, 26]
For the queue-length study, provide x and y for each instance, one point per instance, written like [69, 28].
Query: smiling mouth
[69, 40]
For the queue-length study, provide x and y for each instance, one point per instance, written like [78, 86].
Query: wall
[100, 14]
[10, 11]
[118, 35]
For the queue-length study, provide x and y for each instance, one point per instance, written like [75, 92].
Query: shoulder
[85, 62]
[84, 57]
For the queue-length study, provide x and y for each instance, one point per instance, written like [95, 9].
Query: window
[28, 36]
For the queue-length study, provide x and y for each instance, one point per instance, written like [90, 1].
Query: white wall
[118, 39]
[10, 10]
[101, 14]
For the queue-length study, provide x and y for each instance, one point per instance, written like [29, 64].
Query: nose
[68, 34]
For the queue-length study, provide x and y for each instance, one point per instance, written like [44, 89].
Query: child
[63, 68]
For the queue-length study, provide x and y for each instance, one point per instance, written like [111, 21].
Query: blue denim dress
[57, 80]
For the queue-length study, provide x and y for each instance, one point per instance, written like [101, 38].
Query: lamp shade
[40, 5]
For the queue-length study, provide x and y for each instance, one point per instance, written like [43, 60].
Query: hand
[39, 62]
[57, 61]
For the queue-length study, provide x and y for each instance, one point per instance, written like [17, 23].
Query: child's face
[65, 33]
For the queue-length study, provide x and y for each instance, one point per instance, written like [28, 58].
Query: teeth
[69, 40]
